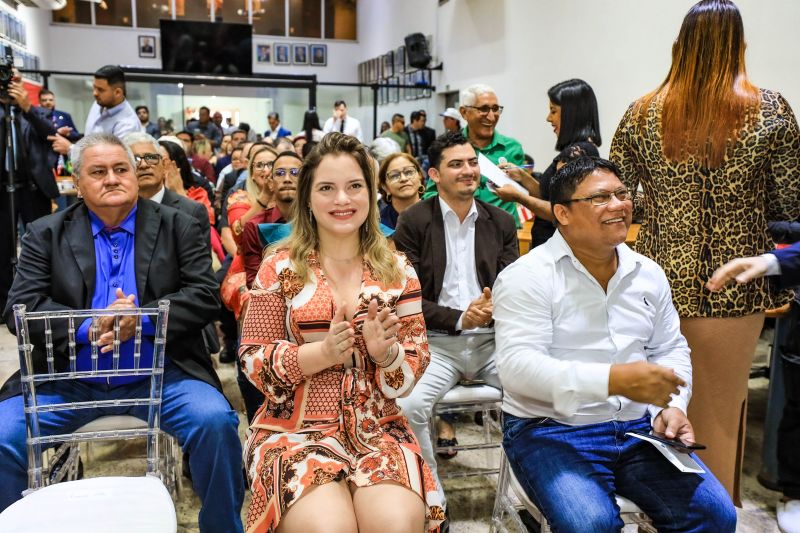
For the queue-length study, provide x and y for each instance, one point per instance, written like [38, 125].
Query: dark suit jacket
[36, 155]
[57, 272]
[789, 259]
[420, 235]
[194, 209]
[427, 136]
[61, 119]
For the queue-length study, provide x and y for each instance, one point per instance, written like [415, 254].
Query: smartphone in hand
[675, 443]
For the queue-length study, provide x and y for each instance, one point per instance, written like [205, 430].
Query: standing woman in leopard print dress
[717, 158]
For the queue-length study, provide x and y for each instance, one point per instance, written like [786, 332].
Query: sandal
[444, 443]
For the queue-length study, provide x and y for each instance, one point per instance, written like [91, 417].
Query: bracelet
[386, 363]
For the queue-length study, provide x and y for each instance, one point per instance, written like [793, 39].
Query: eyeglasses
[150, 159]
[281, 172]
[602, 198]
[485, 109]
[261, 165]
[407, 172]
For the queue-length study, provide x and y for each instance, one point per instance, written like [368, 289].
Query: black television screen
[206, 47]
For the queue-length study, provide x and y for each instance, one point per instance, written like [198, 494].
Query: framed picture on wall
[264, 53]
[388, 65]
[319, 54]
[408, 79]
[282, 53]
[147, 46]
[399, 60]
[300, 54]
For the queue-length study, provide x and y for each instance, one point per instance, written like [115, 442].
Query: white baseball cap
[451, 112]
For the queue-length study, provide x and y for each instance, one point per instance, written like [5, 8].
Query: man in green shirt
[480, 110]
[398, 133]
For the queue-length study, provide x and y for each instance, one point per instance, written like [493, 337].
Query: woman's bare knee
[324, 508]
[388, 508]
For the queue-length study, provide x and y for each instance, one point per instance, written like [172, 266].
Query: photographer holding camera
[26, 156]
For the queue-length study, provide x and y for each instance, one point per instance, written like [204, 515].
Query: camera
[6, 71]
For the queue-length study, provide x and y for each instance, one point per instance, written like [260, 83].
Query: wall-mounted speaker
[417, 50]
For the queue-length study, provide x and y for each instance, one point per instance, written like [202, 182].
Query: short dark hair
[416, 114]
[207, 110]
[45, 92]
[337, 103]
[289, 153]
[579, 117]
[443, 142]
[138, 107]
[566, 180]
[274, 115]
[398, 116]
[184, 132]
[112, 74]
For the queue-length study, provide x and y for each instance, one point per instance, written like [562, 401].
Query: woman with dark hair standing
[717, 158]
[574, 117]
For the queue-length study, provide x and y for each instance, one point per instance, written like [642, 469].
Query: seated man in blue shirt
[114, 250]
[589, 348]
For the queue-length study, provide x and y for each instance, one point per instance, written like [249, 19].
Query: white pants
[453, 358]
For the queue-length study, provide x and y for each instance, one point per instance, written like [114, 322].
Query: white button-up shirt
[460, 284]
[352, 127]
[558, 333]
[119, 120]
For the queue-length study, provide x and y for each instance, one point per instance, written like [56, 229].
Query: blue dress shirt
[115, 268]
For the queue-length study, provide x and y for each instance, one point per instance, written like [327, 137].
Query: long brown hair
[304, 237]
[707, 98]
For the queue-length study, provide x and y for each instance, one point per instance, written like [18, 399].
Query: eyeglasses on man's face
[603, 197]
[261, 165]
[408, 172]
[281, 172]
[485, 109]
[150, 159]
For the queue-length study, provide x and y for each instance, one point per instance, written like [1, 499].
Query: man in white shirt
[457, 245]
[343, 123]
[588, 348]
[110, 112]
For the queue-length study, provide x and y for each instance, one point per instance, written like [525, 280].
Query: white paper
[682, 461]
[497, 176]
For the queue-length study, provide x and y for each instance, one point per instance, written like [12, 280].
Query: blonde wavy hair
[252, 188]
[304, 238]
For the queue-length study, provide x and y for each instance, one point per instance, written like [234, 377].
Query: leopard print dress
[695, 219]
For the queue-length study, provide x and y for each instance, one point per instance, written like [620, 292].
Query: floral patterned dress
[341, 423]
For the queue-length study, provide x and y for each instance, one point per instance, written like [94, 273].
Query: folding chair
[119, 504]
[470, 398]
[511, 498]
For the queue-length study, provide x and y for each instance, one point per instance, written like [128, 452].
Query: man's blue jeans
[193, 411]
[571, 473]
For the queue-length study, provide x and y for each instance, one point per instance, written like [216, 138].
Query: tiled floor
[470, 499]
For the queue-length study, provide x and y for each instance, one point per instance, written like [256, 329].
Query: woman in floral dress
[332, 334]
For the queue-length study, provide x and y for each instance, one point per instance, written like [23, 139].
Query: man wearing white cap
[452, 119]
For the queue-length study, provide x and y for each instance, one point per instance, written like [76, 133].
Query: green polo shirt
[400, 138]
[501, 146]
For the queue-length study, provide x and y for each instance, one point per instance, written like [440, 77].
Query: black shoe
[228, 354]
[444, 443]
[187, 473]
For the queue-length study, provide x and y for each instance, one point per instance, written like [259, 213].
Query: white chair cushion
[625, 505]
[472, 393]
[102, 504]
[105, 423]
